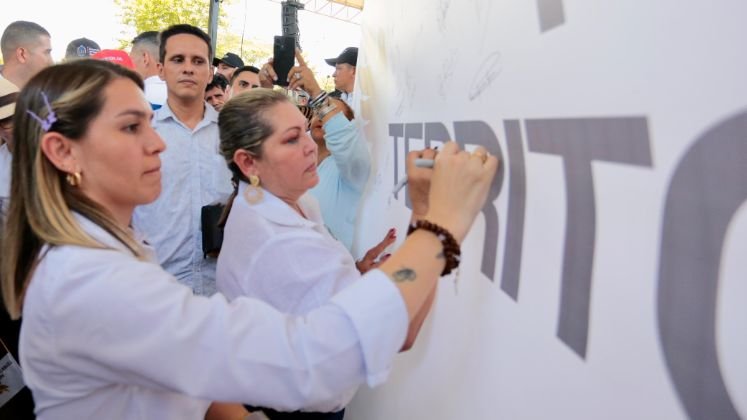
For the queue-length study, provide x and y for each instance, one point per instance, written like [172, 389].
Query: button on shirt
[342, 177]
[108, 336]
[193, 175]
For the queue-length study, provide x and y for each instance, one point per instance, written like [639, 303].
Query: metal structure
[344, 10]
[213, 23]
[289, 19]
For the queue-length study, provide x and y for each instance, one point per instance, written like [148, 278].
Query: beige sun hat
[8, 97]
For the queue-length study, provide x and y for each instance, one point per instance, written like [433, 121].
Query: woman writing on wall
[108, 334]
[275, 246]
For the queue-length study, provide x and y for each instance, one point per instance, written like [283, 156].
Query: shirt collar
[165, 113]
[276, 210]
[154, 79]
[108, 240]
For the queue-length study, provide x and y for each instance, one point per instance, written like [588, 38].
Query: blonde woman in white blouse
[108, 334]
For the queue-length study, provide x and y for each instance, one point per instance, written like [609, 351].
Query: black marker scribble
[487, 72]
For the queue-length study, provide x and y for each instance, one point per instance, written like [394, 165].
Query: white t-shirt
[155, 90]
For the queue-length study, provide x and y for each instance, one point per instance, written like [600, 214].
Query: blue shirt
[194, 174]
[342, 177]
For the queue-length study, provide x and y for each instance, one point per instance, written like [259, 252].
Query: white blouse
[272, 253]
[105, 335]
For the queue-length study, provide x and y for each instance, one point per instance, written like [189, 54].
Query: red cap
[115, 56]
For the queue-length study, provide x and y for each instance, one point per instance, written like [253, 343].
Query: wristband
[451, 251]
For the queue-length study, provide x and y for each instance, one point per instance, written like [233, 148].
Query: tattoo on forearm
[405, 274]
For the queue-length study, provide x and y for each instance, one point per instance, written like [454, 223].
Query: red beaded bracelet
[452, 253]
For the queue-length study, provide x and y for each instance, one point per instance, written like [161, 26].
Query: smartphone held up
[284, 56]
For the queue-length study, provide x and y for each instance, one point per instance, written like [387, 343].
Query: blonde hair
[41, 202]
[243, 125]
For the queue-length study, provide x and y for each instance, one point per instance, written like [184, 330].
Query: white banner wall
[606, 278]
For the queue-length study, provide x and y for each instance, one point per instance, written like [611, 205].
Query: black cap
[229, 59]
[81, 48]
[348, 56]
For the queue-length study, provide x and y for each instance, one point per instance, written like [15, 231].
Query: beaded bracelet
[452, 252]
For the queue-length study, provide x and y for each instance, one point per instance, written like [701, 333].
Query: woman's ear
[246, 163]
[59, 150]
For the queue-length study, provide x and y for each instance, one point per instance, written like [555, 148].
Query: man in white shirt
[144, 55]
[26, 49]
[193, 172]
[344, 74]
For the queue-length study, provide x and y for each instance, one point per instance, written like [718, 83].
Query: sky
[321, 37]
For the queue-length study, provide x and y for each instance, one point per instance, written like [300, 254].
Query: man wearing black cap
[228, 64]
[344, 74]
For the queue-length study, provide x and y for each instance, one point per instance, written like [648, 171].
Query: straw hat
[8, 96]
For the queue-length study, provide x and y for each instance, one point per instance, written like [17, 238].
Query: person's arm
[373, 257]
[295, 272]
[226, 411]
[121, 321]
[419, 184]
[267, 75]
[458, 190]
[125, 322]
[417, 323]
[347, 148]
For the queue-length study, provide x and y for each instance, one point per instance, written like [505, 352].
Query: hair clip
[51, 117]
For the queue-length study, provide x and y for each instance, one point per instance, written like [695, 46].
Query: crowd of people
[109, 160]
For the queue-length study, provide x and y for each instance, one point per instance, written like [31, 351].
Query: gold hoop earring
[253, 193]
[73, 179]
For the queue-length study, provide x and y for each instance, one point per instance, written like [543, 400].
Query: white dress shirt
[194, 174]
[105, 335]
[271, 253]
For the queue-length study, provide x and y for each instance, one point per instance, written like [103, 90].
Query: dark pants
[298, 415]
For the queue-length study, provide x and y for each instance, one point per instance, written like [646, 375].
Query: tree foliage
[253, 52]
[155, 15]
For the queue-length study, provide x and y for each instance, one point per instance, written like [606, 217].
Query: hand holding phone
[284, 54]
